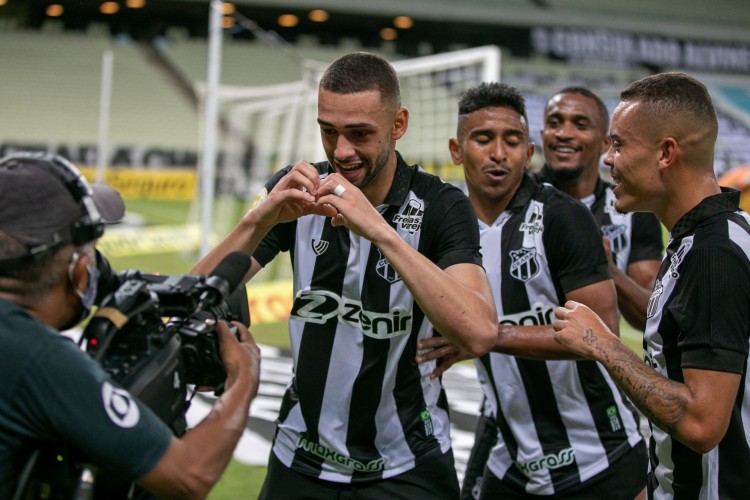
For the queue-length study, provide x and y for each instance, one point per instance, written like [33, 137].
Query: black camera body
[153, 357]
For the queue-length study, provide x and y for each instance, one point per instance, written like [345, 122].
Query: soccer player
[693, 386]
[574, 137]
[562, 427]
[383, 255]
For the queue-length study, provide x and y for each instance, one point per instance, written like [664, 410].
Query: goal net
[267, 128]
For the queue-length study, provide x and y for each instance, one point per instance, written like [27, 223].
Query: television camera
[154, 359]
[154, 335]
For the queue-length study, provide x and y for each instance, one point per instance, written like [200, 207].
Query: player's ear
[400, 124]
[669, 150]
[529, 154]
[455, 148]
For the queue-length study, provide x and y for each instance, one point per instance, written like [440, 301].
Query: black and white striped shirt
[633, 237]
[699, 317]
[561, 422]
[359, 407]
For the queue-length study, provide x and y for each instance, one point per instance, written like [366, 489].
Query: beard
[377, 167]
[564, 175]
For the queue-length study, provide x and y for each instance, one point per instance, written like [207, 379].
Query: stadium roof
[473, 22]
[726, 20]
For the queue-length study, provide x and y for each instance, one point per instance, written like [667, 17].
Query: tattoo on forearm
[660, 399]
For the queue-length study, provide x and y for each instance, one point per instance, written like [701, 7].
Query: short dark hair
[492, 95]
[29, 277]
[603, 111]
[674, 93]
[362, 72]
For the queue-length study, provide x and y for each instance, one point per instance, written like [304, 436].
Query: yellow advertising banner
[270, 302]
[162, 184]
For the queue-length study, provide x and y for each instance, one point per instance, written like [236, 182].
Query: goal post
[430, 87]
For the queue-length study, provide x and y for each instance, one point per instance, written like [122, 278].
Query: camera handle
[85, 488]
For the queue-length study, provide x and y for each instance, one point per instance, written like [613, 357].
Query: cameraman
[54, 393]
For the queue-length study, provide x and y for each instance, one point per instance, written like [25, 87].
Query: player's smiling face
[633, 159]
[493, 146]
[359, 132]
[574, 135]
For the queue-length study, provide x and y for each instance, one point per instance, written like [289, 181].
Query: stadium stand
[55, 79]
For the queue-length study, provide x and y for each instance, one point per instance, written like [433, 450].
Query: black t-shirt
[52, 392]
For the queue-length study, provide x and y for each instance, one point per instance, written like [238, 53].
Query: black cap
[46, 202]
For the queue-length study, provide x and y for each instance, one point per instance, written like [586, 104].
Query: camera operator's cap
[46, 202]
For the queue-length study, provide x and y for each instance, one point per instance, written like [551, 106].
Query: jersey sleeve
[647, 242]
[711, 309]
[70, 399]
[574, 246]
[452, 224]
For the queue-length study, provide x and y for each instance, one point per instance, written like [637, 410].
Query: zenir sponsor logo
[410, 219]
[550, 461]
[318, 306]
[617, 236]
[534, 221]
[524, 264]
[319, 246]
[540, 314]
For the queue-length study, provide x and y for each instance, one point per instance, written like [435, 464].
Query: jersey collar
[524, 193]
[401, 182]
[726, 201]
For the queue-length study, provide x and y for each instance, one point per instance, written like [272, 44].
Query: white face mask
[89, 295]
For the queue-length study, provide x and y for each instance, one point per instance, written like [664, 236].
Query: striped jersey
[699, 317]
[560, 422]
[633, 236]
[359, 407]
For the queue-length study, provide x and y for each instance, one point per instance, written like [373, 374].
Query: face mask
[89, 295]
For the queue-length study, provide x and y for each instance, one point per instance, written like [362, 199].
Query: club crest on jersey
[319, 246]
[410, 219]
[534, 221]
[524, 264]
[609, 208]
[385, 271]
[617, 236]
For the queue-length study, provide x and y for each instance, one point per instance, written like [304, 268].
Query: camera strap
[115, 316]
